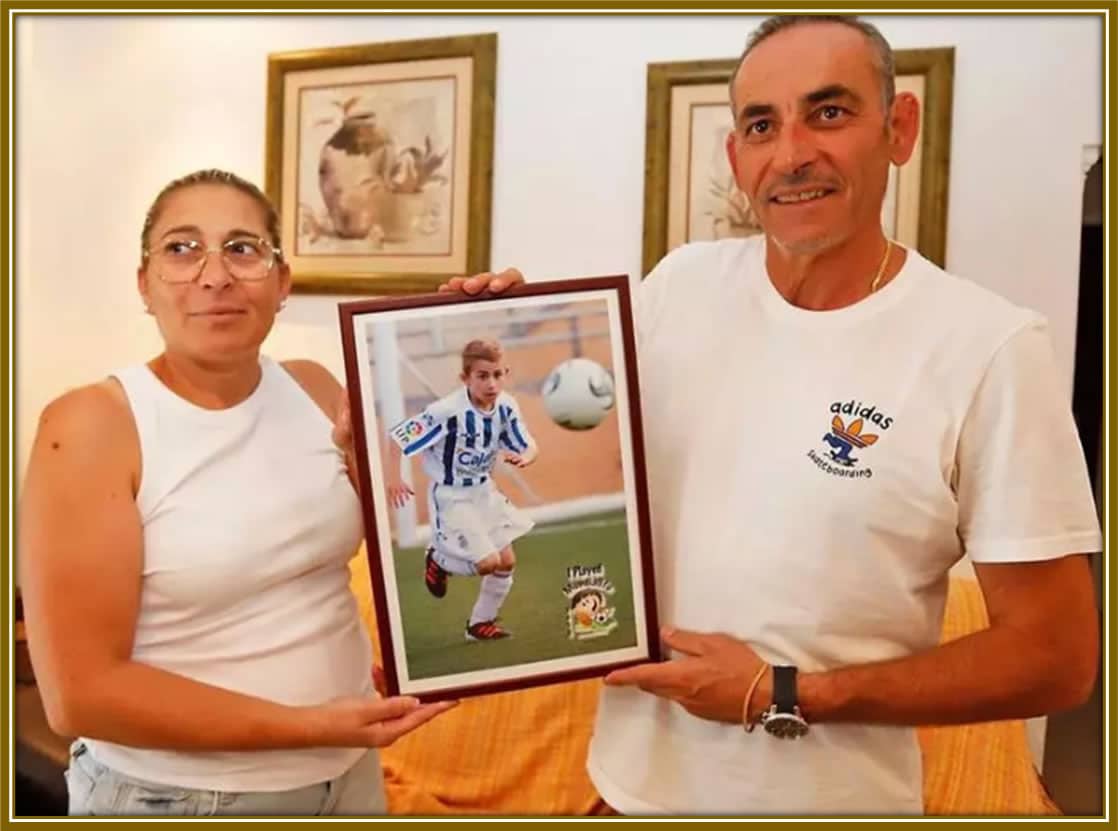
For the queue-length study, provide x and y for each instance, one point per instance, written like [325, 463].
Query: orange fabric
[521, 752]
[525, 752]
[978, 768]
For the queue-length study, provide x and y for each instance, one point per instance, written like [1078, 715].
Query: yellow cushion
[525, 752]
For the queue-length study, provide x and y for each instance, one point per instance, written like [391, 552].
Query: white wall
[110, 109]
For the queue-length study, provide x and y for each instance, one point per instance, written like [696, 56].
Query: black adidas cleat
[486, 630]
[434, 575]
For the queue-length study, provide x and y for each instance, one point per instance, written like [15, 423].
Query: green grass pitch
[535, 611]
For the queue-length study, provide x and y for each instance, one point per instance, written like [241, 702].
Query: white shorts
[472, 523]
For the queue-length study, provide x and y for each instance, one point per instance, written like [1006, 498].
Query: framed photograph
[689, 189]
[502, 471]
[380, 159]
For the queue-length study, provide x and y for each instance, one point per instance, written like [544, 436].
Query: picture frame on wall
[379, 158]
[689, 189]
[501, 466]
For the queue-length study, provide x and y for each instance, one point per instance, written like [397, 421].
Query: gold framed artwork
[689, 190]
[379, 158]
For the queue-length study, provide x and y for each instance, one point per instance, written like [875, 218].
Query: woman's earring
[281, 305]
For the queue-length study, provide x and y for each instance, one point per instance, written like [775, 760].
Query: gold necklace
[881, 268]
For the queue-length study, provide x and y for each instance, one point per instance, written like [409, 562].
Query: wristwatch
[783, 718]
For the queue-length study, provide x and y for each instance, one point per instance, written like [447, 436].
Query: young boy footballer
[461, 438]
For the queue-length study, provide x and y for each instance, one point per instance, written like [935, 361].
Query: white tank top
[249, 522]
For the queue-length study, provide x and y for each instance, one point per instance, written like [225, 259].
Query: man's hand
[495, 283]
[710, 682]
[399, 492]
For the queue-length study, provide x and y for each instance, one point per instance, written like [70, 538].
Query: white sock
[455, 565]
[494, 589]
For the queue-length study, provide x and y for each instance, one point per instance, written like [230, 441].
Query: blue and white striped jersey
[458, 441]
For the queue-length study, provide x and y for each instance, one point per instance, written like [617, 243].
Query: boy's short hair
[480, 350]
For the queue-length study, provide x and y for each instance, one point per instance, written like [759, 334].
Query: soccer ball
[578, 393]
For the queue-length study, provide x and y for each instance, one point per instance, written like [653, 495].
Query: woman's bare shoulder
[97, 406]
[91, 421]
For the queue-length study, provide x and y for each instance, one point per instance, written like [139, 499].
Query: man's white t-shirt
[813, 476]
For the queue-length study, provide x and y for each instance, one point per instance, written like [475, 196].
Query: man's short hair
[883, 53]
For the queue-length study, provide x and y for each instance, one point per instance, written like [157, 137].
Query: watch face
[785, 725]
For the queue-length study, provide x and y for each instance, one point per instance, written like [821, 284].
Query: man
[831, 423]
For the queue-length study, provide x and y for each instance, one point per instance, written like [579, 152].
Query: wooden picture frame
[583, 599]
[689, 192]
[379, 159]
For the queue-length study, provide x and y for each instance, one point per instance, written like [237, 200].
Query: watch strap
[784, 689]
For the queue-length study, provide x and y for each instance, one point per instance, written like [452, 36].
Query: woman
[185, 530]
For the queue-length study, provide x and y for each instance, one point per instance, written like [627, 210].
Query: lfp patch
[412, 431]
[589, 614]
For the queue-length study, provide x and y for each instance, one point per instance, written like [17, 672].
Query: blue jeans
[97, 790]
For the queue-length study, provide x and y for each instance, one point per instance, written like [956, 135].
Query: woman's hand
[342, 433]
[371, 722]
